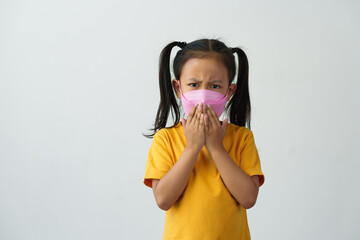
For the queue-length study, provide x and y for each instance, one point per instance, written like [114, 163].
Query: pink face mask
[215, 99]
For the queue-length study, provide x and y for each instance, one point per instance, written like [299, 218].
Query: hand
[194, 128]
[214, 131]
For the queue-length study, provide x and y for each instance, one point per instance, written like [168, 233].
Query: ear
[176, 86]
[232, 89]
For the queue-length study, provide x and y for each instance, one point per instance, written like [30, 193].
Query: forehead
[204, 69]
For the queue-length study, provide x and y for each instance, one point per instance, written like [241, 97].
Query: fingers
[201, 122]
[183, 122]
[206, 122]
[198, 115]
[213, 118]
[194, 129]
[192, 113]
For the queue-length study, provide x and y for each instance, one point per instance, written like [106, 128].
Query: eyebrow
[211, 81]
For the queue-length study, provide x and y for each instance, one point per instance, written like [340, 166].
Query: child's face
[204, 73]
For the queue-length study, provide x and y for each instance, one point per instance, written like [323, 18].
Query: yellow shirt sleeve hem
[253, 172]
[152, 175]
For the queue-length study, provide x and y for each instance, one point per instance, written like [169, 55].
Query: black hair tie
[182, 44]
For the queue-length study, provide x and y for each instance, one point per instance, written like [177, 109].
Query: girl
[204, 172]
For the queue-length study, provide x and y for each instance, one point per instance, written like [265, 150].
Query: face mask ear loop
[227, 93]
[180, 88]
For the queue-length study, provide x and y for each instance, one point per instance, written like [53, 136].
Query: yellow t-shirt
[206, 210]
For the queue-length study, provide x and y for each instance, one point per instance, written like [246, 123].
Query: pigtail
[239, 104]
[167, 99]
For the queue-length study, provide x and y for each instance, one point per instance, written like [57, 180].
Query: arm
[242, 187]
[169, 188]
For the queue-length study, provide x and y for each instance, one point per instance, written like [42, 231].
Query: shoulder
[167, 133]
[237, 137]
[239, 132]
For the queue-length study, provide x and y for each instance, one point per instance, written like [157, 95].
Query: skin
[202, 127]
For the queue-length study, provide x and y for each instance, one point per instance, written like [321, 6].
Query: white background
[78, 87]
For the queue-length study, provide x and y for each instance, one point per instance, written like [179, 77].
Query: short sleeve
[159, 160]
[250, 161]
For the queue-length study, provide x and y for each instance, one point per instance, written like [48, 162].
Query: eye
[215, 86]
[193, 84]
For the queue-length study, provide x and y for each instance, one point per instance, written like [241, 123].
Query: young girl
[204, 172]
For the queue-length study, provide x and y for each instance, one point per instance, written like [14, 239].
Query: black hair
[239, 104]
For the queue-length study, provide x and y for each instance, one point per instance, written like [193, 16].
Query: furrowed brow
[215, 81]
[194, 80]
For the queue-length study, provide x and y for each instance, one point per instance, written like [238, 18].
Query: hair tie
[182, 44]
[232, 50]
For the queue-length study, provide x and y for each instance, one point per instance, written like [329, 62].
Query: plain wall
[78, 87]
